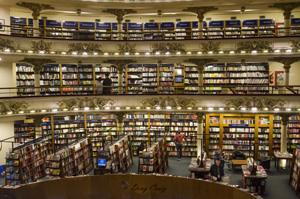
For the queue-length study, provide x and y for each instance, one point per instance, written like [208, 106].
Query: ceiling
[169, 7]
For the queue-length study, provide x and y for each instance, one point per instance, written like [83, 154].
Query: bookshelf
[295, 27]
[294, 173]
[168, 30]
[86, 30]
[154, 159]
[25, 79]
[213, 133]
[41, 26]
[214, 76]
[50, 79]
[115, 31]
[12, 170]
[150, 78]
[276, 133]
[293, 130]
[266, 27]
[166, 78]
[233, 29]
[134, 75]
[135, 31]
[18, 26]
[24, 131]
[191, 80]
[69, 28]
[53, 29]
[250, 28]
[152, 32]
[216, 29]
[103, 31]
[265, 132]
[183, 30]
[86, 79]
[100, 71]
[69, 75]
[195, 35]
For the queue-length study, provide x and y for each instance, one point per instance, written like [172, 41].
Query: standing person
[106, 83]
[219, 155]
[178, 139]
[99, 86]
[217, 171]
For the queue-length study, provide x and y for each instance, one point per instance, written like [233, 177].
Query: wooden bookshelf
[103, 31]
[25, 80]
[24, 131]
[233, 29]
[183, 30]
[50, 76]
[135, 31]
[168, 30]
[214, 76]
[295, 27]
[86, 79]
[191, 80]
[150, 78]
[276, 133]
[166, 78]
[249, 28]
[152, 31]
[134, 77]
[217, 30]
[294, 174]
[266, 28]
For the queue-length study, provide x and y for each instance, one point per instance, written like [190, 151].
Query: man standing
[217, 171]
[178, 139]
[106, 83]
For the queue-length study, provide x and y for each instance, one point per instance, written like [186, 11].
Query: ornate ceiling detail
[36, 8]
[41, 46]
[119, 63]
[127, 48]
[80, 48]
[249, 46]
[13, 106]
[200, 116]
[200, 63]
[120, 13]
[200, 11]
[172, 48]
[286, 7]
[169, 101]
[211, 46]
[81, 103]
[6, 44]
[37, 63]
[259, 103]
[286, 61]
[295, 45]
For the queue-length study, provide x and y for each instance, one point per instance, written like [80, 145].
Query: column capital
[200, 63]
[200, 11]
[37, 119]
[120, 13]
[285, 118]
[120, 116]
[120, 63]
[286, 7]
[200, 116]
[36, 8]
[286, 61]
[37, 63]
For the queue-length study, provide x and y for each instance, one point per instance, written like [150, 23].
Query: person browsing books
[106, 83]
[217, 171]
[178, 139]
[99, 86]
[219, 155]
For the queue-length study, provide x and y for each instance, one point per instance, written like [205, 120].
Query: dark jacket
[214, 171]
[107, 82]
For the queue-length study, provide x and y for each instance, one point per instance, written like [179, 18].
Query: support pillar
[287, 11]
[38, 125]
[120, 117]
[287, 74]
[200, 135]
[200, 11]
[36, 9]
[200, 63]
[284, 129]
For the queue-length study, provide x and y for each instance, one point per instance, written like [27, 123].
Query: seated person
[217, 171]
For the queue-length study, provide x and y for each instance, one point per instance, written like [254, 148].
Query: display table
[281, 156]
[196, 170]
[256, 183]
[238, 163]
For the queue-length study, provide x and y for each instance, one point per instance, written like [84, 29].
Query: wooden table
[195, 169]
[282, 156]
[238, 163]
[256, 183]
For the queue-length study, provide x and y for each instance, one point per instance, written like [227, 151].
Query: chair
[265, 162]
[238, 155]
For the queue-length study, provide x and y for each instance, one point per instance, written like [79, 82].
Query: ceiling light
[158, 108]
[7, 50]
[86, 108]
[265, 109]
[265, 51]
[95, 53]
[178, 53]
[189, 108]
[137, 53]
[75, 109]
[167, 53]
[53, 110]
[148, 107]
[127, 107]
[169, 107]
[9, 113]
[42, 52]
[243, 51]
[118, 108]
[32, 111]
[138, 107]
[199, 108]
[97, 108]
[232, 109]
[63, 53]
[65, 109]
[189, 52]
[221, 109]
[276, 109]
[210, 109]
[243, 109]
[84, 53]
[43, 111]
[254, 51]
[74, 53]
[105, 54]
[30, 51]
[18, 51]
[210, 52]
[0, 59]
[147, 53]
[199, 52]
[288, 51]
[288, 109]
[116, 53]
[127, 53]
[107, 108]
[21, 112]
[254, 109]
[157, 53]
[277, 51]
[178, 107]
[231, 52]
[221, 52]
[298, 109]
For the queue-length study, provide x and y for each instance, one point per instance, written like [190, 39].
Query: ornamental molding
[36, 8]
[41, 46]
[286, 61]
[169, 101]
[286, 7]
[80, 48]
[259, 103]
[82, 103]
[6, 44]
[210, 46]
[172, 48]
[120, 13]
[200, 11]
[295, 45]
[13, 106]
[127, 48]
[37, 63]
[259, 46]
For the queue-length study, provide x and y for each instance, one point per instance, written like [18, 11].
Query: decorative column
[120, 117]
[287, 62]
[38, 125]
[200, 136]
[120, 13]
[121, 65]
[200, 11]
[200, 63]
[284, 129]
[36, 9]
[287, 11]
[37, 66]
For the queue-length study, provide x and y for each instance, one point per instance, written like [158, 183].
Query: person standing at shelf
[219, 155]
[99, 86]
[178, 139]
[106, 83]
[217, 171]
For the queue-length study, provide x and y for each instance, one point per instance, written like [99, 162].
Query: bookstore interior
[93, 94]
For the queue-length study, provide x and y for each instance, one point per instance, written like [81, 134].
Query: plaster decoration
[286, 61]
[200, 11]
[169, 101]
[200, 63]
[120, 13]
[37, 63]
[120, 63]
[295, 45]
[286, 7]
[172, 48]
[259, 103]
[13, 106]
[127, 48]
[249, 46]
[200, 116]
[6, 44]
[41, 46]
[210, 46]
[37, 119]
[81, 103]
[80, 48]
[36, 8]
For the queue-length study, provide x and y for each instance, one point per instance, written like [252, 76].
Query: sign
[16, 20]
[191, 120]
[135, 25]
[103, 25]
[135, 65]
[109, 120]
[216, 24]
[195, 24]
[266, 22]
[233, 23]
[167, 25]
[41, 22]
[115, 26]
[175, 120]
[87, 25]
[46, 122]
[150, 65]
[141, 119]
[159, 120]
[238, 125]
[61, 122]
[53, 23]
[183, 24]
[127, 120]
[250, 23]
[77, 121]
[234, 64]
[93, 120]
[151, 25]
[295, 21]
[70, 24]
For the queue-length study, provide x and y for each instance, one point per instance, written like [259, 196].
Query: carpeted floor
[277, 183]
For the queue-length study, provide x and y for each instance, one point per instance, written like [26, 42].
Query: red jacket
[178, 138]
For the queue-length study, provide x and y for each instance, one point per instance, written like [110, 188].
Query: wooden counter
[125, 186]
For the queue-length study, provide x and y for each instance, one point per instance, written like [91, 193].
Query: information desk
[282, 156]
[125, 186]
[256, 183]
[238, 163]
[199, 172]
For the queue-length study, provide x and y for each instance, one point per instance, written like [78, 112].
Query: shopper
[178, 139]
[99, 86]
[217, 171]
[219, 155]
[141, 147]
[106, 83]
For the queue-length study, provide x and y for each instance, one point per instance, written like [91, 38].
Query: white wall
[294, 71]
[5, 14]
[7, 130]
[7, 78]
